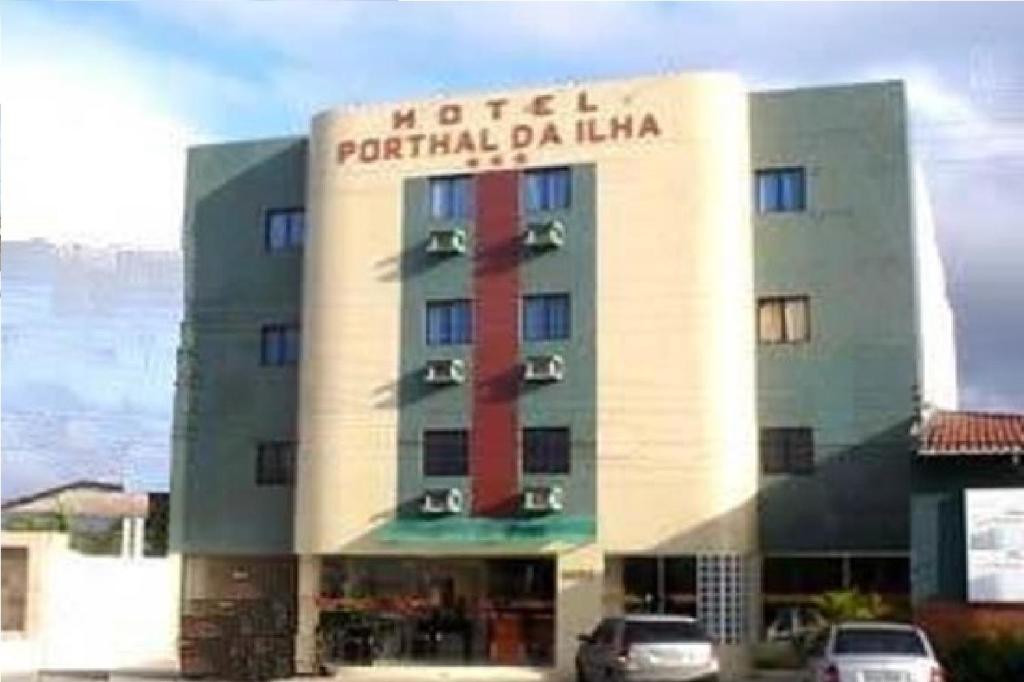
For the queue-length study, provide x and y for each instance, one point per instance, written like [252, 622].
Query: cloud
[93, 144]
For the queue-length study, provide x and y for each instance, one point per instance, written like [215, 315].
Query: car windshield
[655, 631]
[879, 641]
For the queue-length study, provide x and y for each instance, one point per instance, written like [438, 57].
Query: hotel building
[460, 376]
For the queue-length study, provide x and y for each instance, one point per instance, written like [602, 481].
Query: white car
[649, 648]
[874, 652]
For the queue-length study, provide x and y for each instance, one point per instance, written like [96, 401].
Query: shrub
[979, 658]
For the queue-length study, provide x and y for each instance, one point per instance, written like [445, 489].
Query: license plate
[883, 676]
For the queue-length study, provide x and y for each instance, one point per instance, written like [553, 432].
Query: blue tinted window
[451, 198]
[546, 317]
[781, 190]
[549, 189]
[284, 229]
[449, 322]
[279, 344]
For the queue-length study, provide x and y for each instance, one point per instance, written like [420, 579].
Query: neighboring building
[644, 345]
[99, 517]
[65, 610]
[967, 458]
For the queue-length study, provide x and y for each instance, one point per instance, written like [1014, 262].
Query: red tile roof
[973, 433]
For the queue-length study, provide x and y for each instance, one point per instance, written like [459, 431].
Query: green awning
[463, 530]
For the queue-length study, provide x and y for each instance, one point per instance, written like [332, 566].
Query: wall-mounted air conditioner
[441, 501]
[446, 241]
[549, 234]
[446, 371]
[542, 499]
[544, 368]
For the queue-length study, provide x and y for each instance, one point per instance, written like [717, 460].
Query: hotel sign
[511, 129]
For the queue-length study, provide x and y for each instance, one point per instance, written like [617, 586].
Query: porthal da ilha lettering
[406, 142]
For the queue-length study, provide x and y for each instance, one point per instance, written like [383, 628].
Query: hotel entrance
[436, 611]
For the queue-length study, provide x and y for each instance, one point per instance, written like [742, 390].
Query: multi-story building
[467, 374]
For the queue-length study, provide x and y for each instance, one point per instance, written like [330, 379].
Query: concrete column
[126, 537]
[308, 613]
[578, 602]
[139, 538]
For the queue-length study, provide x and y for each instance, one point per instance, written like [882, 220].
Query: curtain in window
[791, 190]
[297, 228]
[450, 198]
[548, 190]
[449, 322]
[291, 344]
[796, 319]
[546, 317]
[769, 321]
[766, 193]
[440, 204]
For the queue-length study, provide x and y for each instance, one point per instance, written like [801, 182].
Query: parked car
[873, 652]
[648, 648]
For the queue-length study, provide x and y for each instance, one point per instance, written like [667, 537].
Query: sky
[100, 101]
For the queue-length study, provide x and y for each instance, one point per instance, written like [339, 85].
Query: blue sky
[101, 99]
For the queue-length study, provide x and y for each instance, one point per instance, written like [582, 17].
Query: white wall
[97, 613]
[936, 323]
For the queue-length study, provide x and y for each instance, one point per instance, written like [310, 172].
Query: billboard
[995, 544]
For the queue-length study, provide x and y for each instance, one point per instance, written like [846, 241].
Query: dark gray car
[654, 648]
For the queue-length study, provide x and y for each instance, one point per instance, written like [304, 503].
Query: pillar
[578, 601]
[308, 588]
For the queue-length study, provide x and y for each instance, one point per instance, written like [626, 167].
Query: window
[878, 642]
[446, 453]
[449, 322]
[280, 344]
[783, 319]
[546, 451]
[284, 229]
[781, 190]
[546, 317]
[548, 189]
[275, 463]
[787, 450]
[451, 198]
[14, 568]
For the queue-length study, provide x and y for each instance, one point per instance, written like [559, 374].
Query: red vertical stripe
[493, 454]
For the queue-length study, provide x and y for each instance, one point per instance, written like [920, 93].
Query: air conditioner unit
[542, 499]
[549, 234]
[446, 241]
[441, 501]
[544, 368]
[447, 371]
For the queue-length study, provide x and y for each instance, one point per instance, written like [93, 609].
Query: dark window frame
[787, 450]
[546, 462]
[786, 336]
[778, 205]
[451, 180]
[452, 339]
[549, 206]
[275, 463]
[431, 467]
[295, 238]
[525, 335]
[276, 350]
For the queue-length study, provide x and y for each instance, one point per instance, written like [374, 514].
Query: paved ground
[100, 676]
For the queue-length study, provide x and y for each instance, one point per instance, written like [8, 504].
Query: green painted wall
[226, 401]
[938, 561]
[851, 251]
[568, 403]
[573, 401]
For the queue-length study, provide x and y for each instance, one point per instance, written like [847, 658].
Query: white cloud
[91, 152]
